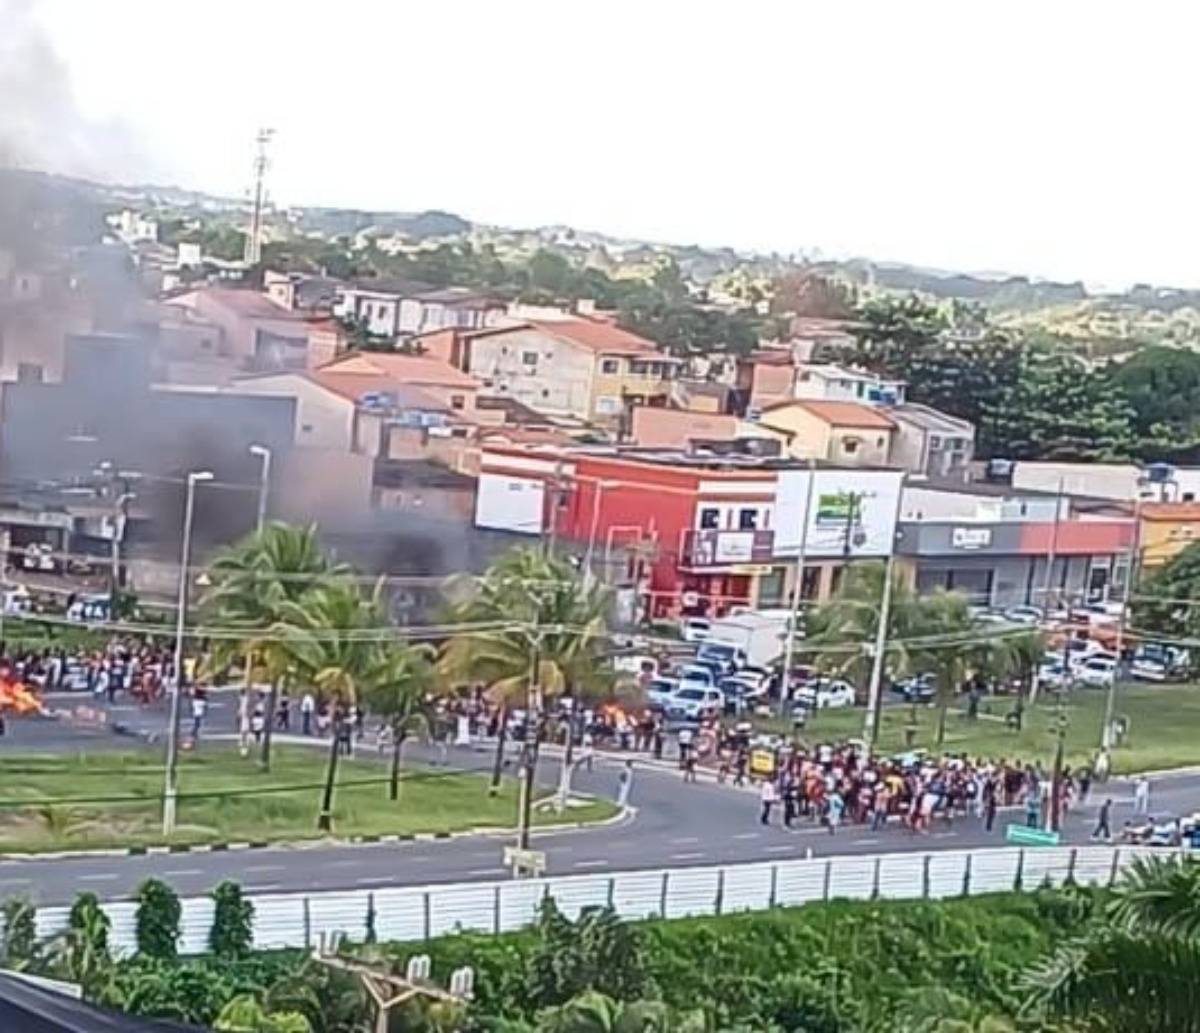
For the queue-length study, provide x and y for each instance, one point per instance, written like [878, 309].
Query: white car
[697, 674]
[695, 629]
[832, 695]
[660, 691]
[1025, 614]
[691, 702]
[1097, 672]
[1051, 674]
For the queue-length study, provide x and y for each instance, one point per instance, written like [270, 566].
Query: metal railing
[414, 913]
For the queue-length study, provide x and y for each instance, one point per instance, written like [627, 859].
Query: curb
[158, 850]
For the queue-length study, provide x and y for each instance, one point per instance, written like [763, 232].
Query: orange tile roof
[840, 414]
[1169, 511]
[597, 335]
[404, 369]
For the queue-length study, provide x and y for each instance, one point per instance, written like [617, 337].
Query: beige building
[577, 366]
[846, 433]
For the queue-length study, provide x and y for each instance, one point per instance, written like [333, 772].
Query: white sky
[1054, 138]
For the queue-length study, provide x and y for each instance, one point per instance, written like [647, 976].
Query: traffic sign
[1023, 835]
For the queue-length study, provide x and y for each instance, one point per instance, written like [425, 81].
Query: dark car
[918, 689]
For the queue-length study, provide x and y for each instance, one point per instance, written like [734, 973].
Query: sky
[1051, 139]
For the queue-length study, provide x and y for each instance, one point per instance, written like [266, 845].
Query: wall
[859, 446]
[323, 419]
[1097, 480]
[609, 389]
[770, 384]
[655, 427]
[560, 381]
[811, 435]
[323, 485]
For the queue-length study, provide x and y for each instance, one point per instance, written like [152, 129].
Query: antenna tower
[253, 252]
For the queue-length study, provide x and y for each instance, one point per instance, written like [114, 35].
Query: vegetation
[232, 930]
[158, 915]
[1168, 600]
[111, 799]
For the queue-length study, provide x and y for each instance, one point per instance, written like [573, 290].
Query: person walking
[989, 805]
[625, 785]
[767, 797]
[308, 706]
[199, 709]
[1033, 808]
[834, 808]
[1141, 795]
[1103, 829]
[243, 719]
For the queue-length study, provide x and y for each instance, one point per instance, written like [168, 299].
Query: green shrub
[232, 932]
[157, 920]
[21, 947]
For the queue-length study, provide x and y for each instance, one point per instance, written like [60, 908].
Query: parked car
[1025, 614]
[691, 702]
[695, 629]
[826, 695]
[697, 674]
[920, 688]
[1097, 672]
[659, 692]
[1052, 674]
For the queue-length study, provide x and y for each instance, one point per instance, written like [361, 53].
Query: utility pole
[789, 647]
[1110, 701]
[875, 686]
[1046, 581]
[1060, 732]
[253, 252]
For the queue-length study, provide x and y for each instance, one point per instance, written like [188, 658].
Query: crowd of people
[136, 667]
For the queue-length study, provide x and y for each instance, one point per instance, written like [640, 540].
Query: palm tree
[950, 645]
[253, 583]
[533, 629]
[333, 636]
[1138, 971]
[395, 689]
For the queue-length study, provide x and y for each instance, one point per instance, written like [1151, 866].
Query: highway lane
[675, 825]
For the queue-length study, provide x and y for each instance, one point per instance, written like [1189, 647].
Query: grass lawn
[431, 800]
[1164, 728]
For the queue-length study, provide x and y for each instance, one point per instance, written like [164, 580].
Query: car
[744, 692]
[730, 658]
[659, 692]
[1025, 614]
[1097, 672]
[918, 689]
[691, 702]
[1145, 669]
[1052, 674]
[826, 695]
[697, 674]
[695, 629]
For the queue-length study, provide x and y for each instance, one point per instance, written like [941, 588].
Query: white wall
[874, 529]
[506, 503]
[559, 381]
[323, 419]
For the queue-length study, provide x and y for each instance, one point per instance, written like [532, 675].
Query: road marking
[780, 849]
[687, 857]
[264, 887]
[943, 835]
[184, 871]
[374, 881]
[486, 871]
[14, 882]
[97, 878]
[598, 862]
[264, 868]
[747, 835]
[686, 839]
[864, 842]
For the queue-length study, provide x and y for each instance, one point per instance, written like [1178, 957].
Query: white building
[399, 308]
[1156, 482]
[831, 383]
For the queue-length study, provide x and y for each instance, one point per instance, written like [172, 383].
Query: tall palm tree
[1138, 971]
[532, 629]
[395, 690]
[333, 636]
[950, 646]
[253, 583]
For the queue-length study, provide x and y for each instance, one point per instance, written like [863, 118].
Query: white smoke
[41, 125]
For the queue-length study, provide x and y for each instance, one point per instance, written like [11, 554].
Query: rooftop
[596, 335]
[404, 369]
[928, 418]
[839, 414]
[248, 303]
[1171, 511]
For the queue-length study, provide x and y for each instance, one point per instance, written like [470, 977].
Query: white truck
[748, 639]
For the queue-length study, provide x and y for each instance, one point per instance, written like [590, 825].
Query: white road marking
[687, 857]
[97, 878]
[264, 868]
[747, 835]
[686, 839]
[780, 849]
[264, 887]
[185, 871]
[864, 842]
[487, 871]
[375, 880]
[594, 863]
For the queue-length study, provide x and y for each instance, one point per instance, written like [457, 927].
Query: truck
[748, 639]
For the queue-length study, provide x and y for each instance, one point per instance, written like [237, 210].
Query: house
[1157, 482]
[391, 308]
[657, 427]
[450, 386]
[1166, 529]
[931, 442]
[847, 433]
[833, 383]
[300, 291]
[255, 332]
[571, 365]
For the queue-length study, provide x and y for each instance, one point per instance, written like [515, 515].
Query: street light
[172, 777]
[264, 483]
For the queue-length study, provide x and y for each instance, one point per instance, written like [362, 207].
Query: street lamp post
[172, 776]
[789, 647]
[264, 482]
[879, 648]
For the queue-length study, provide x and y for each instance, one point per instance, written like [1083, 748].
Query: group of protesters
[136, 668]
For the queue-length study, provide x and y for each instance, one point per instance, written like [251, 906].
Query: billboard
[726, 548]
[853, 512]
[505, 503]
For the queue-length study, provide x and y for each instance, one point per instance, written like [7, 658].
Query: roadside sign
[1022, 835]
[525, 862]
[762, 762]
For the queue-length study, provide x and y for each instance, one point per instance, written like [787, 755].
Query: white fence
[412, 913]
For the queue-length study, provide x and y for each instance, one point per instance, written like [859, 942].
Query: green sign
[1022, 835]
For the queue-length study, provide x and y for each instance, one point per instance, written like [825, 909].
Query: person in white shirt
[307, 707]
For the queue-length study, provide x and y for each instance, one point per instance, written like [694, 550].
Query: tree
[895, 334]
[593, 1012]
[332, 635]
[232, 931]
[395, 690]
[532, 629]
[85, 950]
[254, 583]
[1162, 386]
[808, 293]
[1167, 602]
[950, 646]
[157, 920]
[1139, 970]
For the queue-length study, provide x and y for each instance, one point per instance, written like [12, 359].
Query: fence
[413, 913]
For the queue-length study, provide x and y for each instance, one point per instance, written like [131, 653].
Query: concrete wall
[558, 380]
[323, 419]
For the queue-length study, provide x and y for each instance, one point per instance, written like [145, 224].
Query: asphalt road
[672, 825]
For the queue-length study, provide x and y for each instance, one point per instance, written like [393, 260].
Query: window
[457, 402]
[1189, 496]
[850, 446]
[879, 442]
[306, 428]
[710, 519]
[608, 405]
[529, 358]
[747, 519]
[610, 367]
[545, 393]
[935, 441]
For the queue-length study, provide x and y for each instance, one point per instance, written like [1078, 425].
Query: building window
[879, 442]
[748, 520]
[529, 358]
[850, 446]
[610, 367]
[710, 519]
[457, 402]
[306, 428]
[545, 392]
[935, 441]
